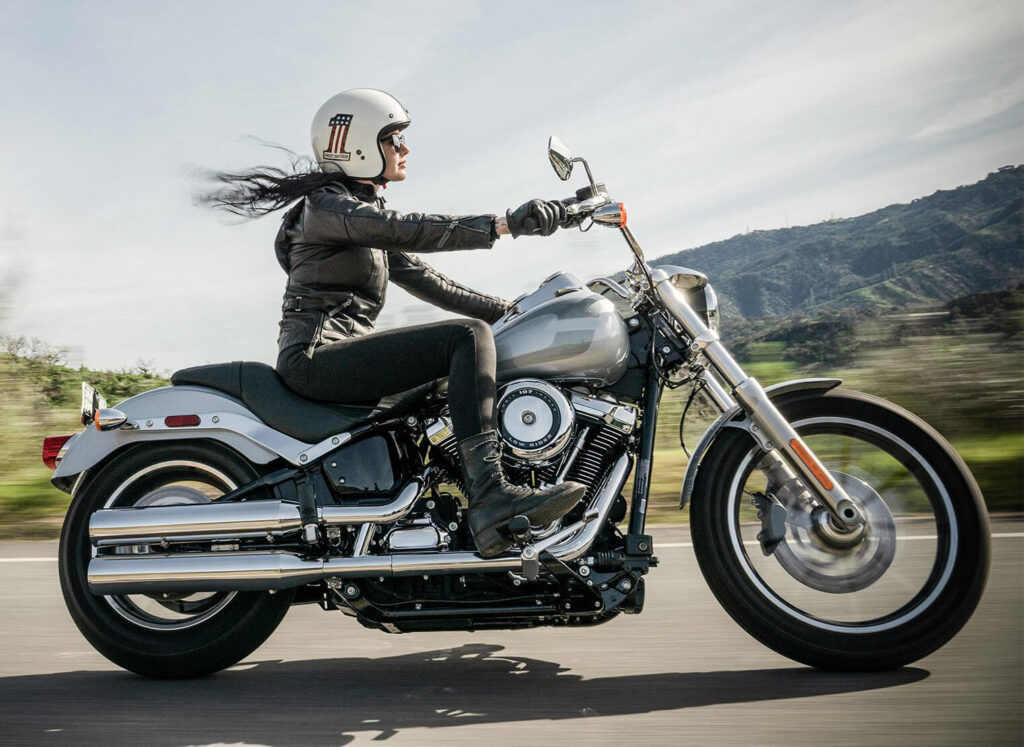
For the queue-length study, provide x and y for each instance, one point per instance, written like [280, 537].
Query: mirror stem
[589, 175]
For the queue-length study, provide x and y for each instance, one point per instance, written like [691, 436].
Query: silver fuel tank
[562, 331]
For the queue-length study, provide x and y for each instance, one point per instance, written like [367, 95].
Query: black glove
[536, 218]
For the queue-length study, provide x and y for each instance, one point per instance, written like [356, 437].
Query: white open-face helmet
[347, 130]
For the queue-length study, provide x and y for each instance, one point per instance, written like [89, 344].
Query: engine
[550, 434]
[535, 421]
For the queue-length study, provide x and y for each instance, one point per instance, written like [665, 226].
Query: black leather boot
[493, 500]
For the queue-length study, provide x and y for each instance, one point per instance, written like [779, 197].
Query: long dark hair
[264, 189]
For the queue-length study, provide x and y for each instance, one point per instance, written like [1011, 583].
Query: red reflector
[51, 448]
[181, 421]
[622, 209]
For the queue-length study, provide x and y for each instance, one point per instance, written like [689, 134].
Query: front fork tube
[774, 433]
[771, 430]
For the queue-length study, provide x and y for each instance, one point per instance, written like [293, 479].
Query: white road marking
[1000, 535]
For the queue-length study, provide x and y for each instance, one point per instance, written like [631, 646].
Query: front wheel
[888, 595]
[163, 635]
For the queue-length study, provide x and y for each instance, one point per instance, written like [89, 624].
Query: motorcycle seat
[259, 387]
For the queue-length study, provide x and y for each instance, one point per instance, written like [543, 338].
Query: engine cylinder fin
[589, 466]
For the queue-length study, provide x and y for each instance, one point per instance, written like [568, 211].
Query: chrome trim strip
[294, 451]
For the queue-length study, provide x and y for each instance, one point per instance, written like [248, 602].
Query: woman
[340, 247]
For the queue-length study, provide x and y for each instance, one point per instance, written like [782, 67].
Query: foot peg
[531, 553]
[519, 528]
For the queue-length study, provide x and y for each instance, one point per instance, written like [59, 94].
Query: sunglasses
[395, 139]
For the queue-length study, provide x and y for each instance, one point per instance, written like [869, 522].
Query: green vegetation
[41, 397]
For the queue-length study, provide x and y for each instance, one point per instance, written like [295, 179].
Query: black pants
[364, 369]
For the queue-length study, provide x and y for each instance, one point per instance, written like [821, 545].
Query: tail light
[52, 446]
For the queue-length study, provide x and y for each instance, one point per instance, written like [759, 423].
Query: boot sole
[556, 507]
[494, 539]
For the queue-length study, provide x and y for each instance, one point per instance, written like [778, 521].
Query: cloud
[979, 108]
[705, 118]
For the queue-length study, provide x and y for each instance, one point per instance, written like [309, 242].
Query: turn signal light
[611, 215]
[107, 419]
[51, 449]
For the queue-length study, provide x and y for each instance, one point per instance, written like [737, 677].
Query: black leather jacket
[340, 247]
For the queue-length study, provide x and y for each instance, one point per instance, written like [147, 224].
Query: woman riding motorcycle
[340, 247]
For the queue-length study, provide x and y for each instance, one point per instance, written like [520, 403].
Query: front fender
[776, 393]
[91, 446]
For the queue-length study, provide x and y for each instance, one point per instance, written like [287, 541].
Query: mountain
[932, 250]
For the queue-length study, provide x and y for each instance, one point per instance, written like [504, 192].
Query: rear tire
[175, 636]
[868, 619]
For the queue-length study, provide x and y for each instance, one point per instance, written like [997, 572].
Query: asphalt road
[682, 673]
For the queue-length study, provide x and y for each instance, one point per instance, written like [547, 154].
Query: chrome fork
[771, 430]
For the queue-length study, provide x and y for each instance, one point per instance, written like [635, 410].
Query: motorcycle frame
[645, 455]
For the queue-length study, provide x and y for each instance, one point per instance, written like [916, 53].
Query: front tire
[901, 592]
[164, 636]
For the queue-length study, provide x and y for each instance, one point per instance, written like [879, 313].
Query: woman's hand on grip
[536, 218]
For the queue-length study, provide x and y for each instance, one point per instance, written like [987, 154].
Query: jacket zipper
[318, 337]
[445, 236]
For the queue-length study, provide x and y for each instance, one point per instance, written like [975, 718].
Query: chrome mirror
[560, 157]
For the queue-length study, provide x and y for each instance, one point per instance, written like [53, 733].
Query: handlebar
[586, 207]
[592, 201]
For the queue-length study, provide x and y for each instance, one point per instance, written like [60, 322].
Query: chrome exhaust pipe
[269, 570]
[195, 522]
[199, 522]
[262, 571]
[214, 571]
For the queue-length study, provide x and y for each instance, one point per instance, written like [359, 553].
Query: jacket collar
[362, 192]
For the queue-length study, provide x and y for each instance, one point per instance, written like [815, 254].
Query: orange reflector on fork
[812, 464]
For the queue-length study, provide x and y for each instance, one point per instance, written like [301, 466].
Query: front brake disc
[810, 557]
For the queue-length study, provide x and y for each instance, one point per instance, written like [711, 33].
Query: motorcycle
[836, 528]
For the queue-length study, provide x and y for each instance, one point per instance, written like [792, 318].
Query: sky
[707, 119]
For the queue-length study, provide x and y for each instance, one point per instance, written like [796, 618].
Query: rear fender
[222, 418]
[736, 418]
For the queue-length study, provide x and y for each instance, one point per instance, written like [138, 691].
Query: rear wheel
[877, 598]
[163, 635]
